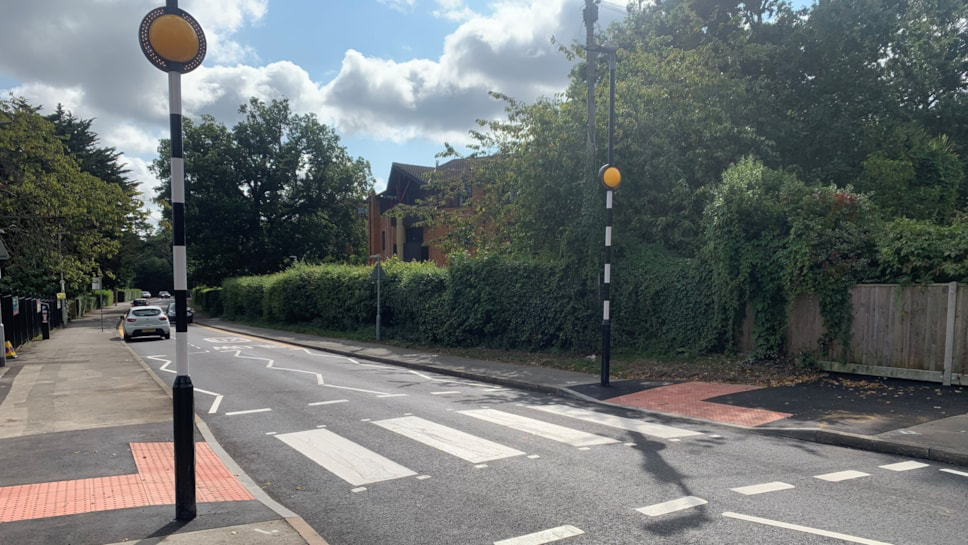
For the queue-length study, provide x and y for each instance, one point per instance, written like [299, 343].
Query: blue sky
[396, 79]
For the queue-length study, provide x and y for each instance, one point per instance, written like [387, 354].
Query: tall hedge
[660, 305]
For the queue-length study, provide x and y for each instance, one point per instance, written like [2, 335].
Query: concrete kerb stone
[868, 443]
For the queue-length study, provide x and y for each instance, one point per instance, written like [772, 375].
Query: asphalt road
[369, 453]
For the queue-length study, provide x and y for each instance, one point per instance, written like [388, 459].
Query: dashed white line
[904, 466]
[805, 529]
[762, 488]
[952, 471]
[842, 476]
[330, 402]
[544, 536]
[671, 506]
[447, 393]
[250, 411]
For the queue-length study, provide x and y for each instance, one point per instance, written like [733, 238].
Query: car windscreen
[146, 312]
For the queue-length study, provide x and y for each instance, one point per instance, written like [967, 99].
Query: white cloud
[398, 5]
[453, 10]
[84, 55]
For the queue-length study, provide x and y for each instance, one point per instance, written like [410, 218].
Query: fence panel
[896, 331]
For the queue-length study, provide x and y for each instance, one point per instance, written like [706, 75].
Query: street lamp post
[378, 275]
[610, 177]
[173, 42]
[4, 255]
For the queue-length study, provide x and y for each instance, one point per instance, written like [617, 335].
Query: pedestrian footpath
[86, 431]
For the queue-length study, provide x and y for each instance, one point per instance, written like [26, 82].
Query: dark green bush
[208, 300]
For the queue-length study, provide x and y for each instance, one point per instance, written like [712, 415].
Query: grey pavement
[70, 407]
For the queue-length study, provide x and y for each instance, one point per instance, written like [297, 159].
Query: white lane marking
[842, 476]
[165, 365]
[805, 529]
[447, 393]
[347, 460]
[250, 411]
[353, 361]
[952, 471]
[628, 424]
[270, 433]
[904, 466]
[569, 436]
[422, 477]
[218, 400]
[455, 442]
[322, 355]
[544, 536]
[381, 394]
[227, 340]
[392, 395]
[360, 489]
[671, 506]
[762, 488]
[330, 402]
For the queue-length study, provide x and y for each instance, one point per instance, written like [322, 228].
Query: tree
[57, 218]
[276, 184]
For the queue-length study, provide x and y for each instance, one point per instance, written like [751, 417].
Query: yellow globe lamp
[172, 40]
[610, 176]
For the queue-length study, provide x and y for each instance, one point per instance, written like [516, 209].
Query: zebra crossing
[358, 465]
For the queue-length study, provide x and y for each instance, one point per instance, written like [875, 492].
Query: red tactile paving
[686, 399]
[153, 484]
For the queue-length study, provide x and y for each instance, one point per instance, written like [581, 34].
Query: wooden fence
[913, 332]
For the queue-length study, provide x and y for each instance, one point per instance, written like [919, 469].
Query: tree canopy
[275, 185]
[58, 217]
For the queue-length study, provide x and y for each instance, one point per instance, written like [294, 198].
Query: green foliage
[416, 303]
[57, 218]
[497, 302]
[746, 228]
[276, 184]
[770, 237]
[922, 251]
[829, 249]
[662, 304]
[208, 300]
[914, 176]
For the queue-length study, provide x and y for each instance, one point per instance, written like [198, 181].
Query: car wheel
[127, 338]
[168, 335]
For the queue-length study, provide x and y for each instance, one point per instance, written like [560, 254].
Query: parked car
[139, 303]
[171, 313]
[146, 294]
[145, 321]
[164, 294]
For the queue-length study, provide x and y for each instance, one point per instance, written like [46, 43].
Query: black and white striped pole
[611, 177]
[173, 41]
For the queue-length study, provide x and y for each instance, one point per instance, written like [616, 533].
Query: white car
[146, 294]
[145, 321]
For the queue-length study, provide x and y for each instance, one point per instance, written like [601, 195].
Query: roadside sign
[15, 302]
[95, 282]
[378, 274]
[61, 295]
